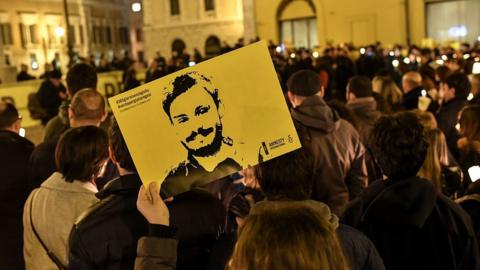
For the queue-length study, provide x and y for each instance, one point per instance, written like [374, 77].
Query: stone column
[249, 20]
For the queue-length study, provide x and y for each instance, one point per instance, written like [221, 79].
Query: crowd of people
[386, 177]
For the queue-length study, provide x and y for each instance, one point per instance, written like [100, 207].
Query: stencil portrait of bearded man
[193, 107]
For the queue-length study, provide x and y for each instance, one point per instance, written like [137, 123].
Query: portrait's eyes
[181, 119]
[202, 110]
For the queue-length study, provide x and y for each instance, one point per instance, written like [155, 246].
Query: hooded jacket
[414, 227]
[340, 169]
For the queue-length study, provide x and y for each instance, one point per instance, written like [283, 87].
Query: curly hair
[399, 145]
[185, 82]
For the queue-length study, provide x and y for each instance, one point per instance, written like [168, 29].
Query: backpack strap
[50, 254]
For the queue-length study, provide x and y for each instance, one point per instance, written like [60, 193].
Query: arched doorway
[178, 46]
[212, 46]
[297, 22]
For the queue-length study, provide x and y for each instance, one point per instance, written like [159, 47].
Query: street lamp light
[59, 31]
[136, 7]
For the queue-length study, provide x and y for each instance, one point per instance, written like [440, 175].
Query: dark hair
[8, 114]
[304, 83]
[399, 144]
[360, 86]
[460, 82]
[80, 152]
[119, 147]
[442, 72]
[288, 177]
[183, 83]
[80, 76]
[88, 104]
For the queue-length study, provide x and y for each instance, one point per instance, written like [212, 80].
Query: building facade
[33, 32]
[174, 25]
[309, 23]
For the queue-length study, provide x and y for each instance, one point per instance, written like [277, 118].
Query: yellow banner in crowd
[109, 84]
[208, 121]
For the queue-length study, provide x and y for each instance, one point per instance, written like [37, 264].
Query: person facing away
[80, 76]
[51, 209]
[87, 108]
[340, 169]
[199, 127]
[360, 100]
[23, 74]
[413, 89]
[455, 90]
[116, 223]
[14, 154]
[51, 94]
[306, 238]
[411, 224]
[291, 178]
[438, 167]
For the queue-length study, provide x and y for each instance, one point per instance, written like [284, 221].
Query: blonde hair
[388, 89]
[287, 235]
[437, 155]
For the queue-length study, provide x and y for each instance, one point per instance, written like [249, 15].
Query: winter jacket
[340, 169]
[106, 235]
[158, 251]
[366, 113]
[54, 208]
[414, 227]
[14, 154]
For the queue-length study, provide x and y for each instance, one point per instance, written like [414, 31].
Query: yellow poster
[207, 121]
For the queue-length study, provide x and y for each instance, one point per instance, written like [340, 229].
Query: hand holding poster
[207, 121]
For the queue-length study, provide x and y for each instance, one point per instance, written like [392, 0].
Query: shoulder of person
[97, 213]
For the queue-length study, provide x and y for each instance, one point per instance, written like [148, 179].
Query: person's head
[24, 67]
[81, 153]
[475, 81]
[287, 235]
[9, 118]
[192, 105]
[437, 155]
[303, 84]
[399, 145]
[48, 67]
[288, 177]
[359, 87]
[81, 76]
[427, 119]
[87, 109]
[442, 73]
[411, 80]
[118, 150]
[389, 90]
[55, 77]
[456, 85]
[470, 122]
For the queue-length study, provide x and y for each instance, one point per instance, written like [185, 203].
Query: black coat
[413, 227]
[41, 164]
[14, 154]
[447, 119]
[106, 235]
[49, 98]
[410, 100]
